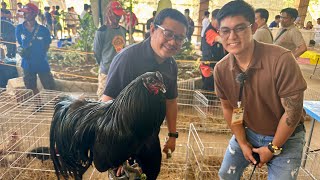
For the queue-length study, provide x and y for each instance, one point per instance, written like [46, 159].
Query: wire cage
[205, 158]
[310, 163]
[24, 138]
[10, 98]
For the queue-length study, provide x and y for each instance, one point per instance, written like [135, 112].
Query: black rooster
[108, 133]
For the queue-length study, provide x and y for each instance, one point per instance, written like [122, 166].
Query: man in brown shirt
[271, 99]
[288, 35]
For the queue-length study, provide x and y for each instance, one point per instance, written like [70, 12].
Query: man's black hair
[172, 14]
[277, 17]
[293, 13]
[47, 8]
[236, 8]
[19, 3]
[154, 13]
[206, 13]
[86, 6]
[187, 11]
[215, 13]
[263, 13]
[57, 8]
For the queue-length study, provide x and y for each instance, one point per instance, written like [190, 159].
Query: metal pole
[305, 155]
[100, 13]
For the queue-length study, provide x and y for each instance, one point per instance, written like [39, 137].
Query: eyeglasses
[169, 35]
[225, 32]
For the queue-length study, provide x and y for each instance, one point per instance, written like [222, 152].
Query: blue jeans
[284, 166]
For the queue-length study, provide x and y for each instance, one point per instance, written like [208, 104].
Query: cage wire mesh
[205, 158]
[10, 98]
[310, 164]
[24, 133]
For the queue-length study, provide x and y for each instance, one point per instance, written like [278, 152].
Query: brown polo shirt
[272, 74]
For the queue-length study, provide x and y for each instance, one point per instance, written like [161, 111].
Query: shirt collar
[256, 58]
[24, 27]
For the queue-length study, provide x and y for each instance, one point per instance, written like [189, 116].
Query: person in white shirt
[19, 14]
[205, 22]
[85, 10]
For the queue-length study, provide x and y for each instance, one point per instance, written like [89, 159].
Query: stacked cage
[24, 133]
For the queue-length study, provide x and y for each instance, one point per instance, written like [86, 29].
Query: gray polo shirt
[136, 60]
[107, 43]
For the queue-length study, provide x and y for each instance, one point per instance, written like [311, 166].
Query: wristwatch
[274, 149]
[175, 135]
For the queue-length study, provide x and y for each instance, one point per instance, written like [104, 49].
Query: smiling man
[167, 34]
[261, 94]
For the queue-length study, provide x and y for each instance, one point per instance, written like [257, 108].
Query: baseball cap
[117, 8]
[30, 7]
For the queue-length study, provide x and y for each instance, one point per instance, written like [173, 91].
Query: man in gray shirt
[108, 41]
[262, 34]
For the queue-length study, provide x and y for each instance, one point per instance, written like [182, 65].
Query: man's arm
[106, 98]
[300, 50]
[171, 118]
[238, 131]
[293, 107]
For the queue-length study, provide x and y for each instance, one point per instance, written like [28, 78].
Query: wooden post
[302, 7]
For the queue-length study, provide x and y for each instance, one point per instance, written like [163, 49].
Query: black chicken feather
[107, 134]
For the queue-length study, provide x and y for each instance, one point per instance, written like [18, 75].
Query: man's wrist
[173, 134]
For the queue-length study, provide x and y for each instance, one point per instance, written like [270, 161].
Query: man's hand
[247, 152]
[170, 144]
[264, 153]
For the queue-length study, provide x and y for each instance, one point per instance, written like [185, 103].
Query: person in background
[109, 40]
[85, 10]
[35, 41]
[71, 21]
[167, 35]
[48, 18]
[56, 22]
[5, 13]
[309, 26]
[41, 19]
[19, 14]
[288, 35]
[131, 21]
[205, 22]
[275, 23]
[212, 51]
[149, 22]
[317, 27]
[191, 24]
[261, 90]
[262, 34]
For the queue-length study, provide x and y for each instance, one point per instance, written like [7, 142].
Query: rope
[56, 72]
[87, 53]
